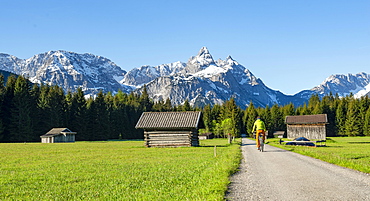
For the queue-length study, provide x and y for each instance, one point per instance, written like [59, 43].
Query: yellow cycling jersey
[259, 125]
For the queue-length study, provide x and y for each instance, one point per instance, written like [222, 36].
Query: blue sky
[290, 44]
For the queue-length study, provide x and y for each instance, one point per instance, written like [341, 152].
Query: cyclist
[260, 128]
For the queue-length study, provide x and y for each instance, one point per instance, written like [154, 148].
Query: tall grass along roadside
[349, 152]
[116, 171]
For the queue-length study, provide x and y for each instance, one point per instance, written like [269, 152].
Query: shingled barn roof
[306, 119]
[58, 131]
[170, 120]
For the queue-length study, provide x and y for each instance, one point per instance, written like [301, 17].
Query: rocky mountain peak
[203, 58]
[229, 62]
[10, 63]
[203, 51]
[229, 58]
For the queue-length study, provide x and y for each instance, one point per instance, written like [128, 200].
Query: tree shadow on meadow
[227, 145]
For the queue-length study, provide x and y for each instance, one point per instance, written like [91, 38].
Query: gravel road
[277, 174]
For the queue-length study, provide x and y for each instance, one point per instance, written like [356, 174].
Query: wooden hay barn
[308, 126]
[58, 135]
[171, 129]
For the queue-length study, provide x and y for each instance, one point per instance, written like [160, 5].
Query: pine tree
[167, 105]
[328, 108]
[367, 123]
[134, 116]
[56, 106]
[230, 110]
[120, 117]
[318, 109]
[313, 102]
[111, 130]
[7, 107]
[352, 123]
[2, 128]
[21, 127]
[216, 122]
[186, 106]
[133, 100]
[216, 112]
[363, 105]
[2, 94]
[43, 104]
[265, 115]
[77, 114]
[251, 115]
[303, 110]
[145, 103]
[36, 113]
[288, 110]
[91, 121]
[51, 102]
[158, 106]
[207, 118]
[277, 118]
[340, 117]
[101, 117]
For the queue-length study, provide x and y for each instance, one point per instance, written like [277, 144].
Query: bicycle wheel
[261, 143]
[262, 147]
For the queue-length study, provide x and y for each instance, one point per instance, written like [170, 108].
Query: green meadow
[350, 152]
[126, 170]
[116, 170]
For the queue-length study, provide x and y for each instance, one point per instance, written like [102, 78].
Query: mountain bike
[261, 141]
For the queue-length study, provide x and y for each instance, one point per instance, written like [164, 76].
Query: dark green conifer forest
[28, 111]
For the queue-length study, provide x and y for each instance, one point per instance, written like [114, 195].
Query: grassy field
[350, 152]
[121, 170]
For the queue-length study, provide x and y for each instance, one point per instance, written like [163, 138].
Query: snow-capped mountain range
[201, 80]
[343, 85]
[68, 70]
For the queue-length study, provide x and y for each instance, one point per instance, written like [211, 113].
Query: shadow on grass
[214, 145]
[276, 150]
[358, 142]
[359, 157]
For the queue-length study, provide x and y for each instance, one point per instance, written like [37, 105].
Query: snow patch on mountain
[362, 91]
[210, 71]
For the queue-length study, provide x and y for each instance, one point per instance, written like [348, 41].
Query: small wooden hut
[171, 129]
[312, 127]
[58, 135]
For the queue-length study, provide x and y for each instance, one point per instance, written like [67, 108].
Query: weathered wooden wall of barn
[64, 138]
[312, 132]
[47, 140]
[171, 138]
